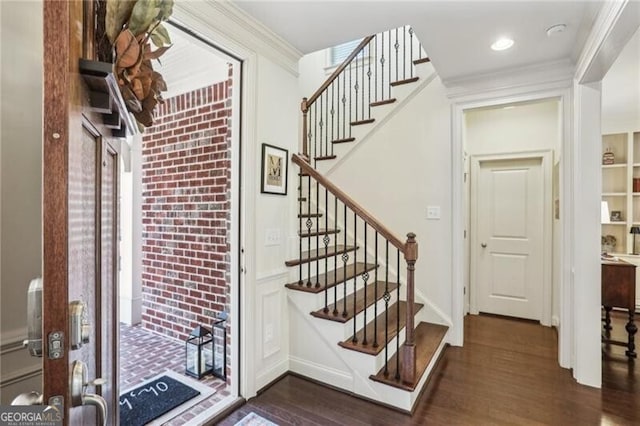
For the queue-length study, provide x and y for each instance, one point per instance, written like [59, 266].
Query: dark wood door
[80, 206]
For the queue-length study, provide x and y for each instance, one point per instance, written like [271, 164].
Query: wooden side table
[619, 291]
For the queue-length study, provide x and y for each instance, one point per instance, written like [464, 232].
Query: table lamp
[634, 230]
[604, 213]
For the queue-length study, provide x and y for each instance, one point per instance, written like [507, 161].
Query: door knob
[80, 397]
[483, 245]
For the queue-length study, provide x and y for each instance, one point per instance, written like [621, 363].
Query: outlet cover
[272, 237]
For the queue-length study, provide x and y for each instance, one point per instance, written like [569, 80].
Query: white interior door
[509, 234]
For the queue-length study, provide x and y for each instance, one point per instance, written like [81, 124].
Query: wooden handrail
[365, 41]
[349, 202]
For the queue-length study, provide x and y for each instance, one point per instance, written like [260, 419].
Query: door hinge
[465, 234]
[465, 177]
[464, 290]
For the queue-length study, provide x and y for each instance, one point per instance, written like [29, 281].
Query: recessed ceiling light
[502, 44]
[556, 29]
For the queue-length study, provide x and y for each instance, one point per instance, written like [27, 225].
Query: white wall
[517, 128]
[20, 193]
[279, 127]
[400, 170]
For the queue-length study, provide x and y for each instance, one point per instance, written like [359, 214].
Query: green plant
[132, 26]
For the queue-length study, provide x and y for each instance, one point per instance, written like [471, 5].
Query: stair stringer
[382, 114]
[315, 353]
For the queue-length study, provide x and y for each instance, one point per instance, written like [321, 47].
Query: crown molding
[548, 74]
[226, 24]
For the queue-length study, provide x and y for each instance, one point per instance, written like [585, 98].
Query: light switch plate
[433, 212]
[272, 237]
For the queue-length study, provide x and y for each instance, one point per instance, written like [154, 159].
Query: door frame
[546, 159]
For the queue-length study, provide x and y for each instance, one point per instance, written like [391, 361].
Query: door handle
[483, 245]
[79, 395]
[34, 318]
[28, 398]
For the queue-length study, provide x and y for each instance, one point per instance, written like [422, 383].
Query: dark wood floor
[507, 373]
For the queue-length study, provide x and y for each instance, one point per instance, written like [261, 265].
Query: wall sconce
[634, 230]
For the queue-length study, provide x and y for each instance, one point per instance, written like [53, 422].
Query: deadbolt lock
[80, 327]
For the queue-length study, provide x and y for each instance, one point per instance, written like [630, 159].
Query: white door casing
[511, 235]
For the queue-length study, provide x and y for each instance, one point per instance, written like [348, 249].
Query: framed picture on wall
[275, 163]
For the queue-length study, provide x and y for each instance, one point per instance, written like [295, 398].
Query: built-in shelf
[617, 187]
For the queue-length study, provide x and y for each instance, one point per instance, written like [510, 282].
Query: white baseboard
[272, 373]
[333, 377]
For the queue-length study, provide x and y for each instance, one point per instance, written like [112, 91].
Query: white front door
[509, 235]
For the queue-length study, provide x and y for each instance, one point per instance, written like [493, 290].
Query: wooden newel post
[305, 108]
[408, 349]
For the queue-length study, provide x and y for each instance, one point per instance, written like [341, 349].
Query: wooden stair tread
[360, 303]
[394, 327]
[421, 61]
[334, 278]
[304, 233]
[310, 256]
[324, 157]
[427, 339]
[385, 102]
[344, 140]
[301, 199]
[310, 215]
[303, 174]
[360, 122]
[405, 81]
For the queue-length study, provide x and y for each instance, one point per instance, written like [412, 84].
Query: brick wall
[186, 211]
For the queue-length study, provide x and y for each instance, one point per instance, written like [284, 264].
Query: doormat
[252, 419]
[162, 397]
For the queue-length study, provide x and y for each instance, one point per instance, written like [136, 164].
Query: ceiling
[456, 34]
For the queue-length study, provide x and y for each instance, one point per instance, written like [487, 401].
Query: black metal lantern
[220, 346]
[199, 352]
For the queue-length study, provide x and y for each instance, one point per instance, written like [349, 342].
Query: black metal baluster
[333, 110]
[362, 66]
[355, 277]
[382, 68]
[365, 278]
[375, 305]
[315, 135]
[398, 313]
[355, 90]
[344, 107]
[300, 227]
[411, 50]
[335, 258]
[309, 223]
[309, 133]
[321, 125]
[318, 234]
[396, 46]
[389, 61]
[387, 297]
[375, 66]
[345, 258]
[369, 87]
[326, 129]
[326, 241]
[350, 99]
[404, 52]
